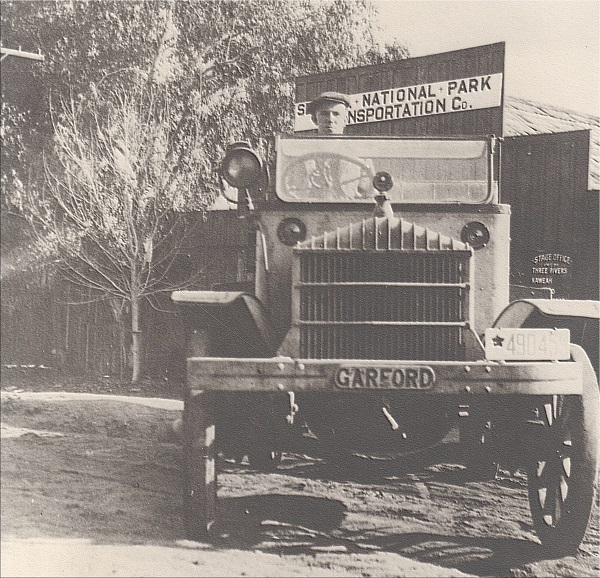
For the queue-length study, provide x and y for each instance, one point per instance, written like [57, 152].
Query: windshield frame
[489, 143]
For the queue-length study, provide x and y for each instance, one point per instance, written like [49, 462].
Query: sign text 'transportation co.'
[427, 99]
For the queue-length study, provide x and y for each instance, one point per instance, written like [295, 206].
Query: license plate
[378, 377]
[527, 344]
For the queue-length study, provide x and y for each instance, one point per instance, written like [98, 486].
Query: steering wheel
[318, 169]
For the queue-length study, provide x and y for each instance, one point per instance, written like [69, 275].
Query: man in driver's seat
[335, 176]
[329, 112]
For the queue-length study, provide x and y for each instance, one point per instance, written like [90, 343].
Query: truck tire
[199, 467]
[562, 477]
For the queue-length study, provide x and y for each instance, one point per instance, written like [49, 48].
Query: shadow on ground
[302, 525]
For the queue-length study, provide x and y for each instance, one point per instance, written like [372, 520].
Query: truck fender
[225, 324]
[581, 317]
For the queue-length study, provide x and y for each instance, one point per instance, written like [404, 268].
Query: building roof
[525, 117]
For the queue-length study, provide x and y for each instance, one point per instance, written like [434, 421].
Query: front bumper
[349, 376]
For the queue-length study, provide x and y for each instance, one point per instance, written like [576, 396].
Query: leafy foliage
[231, 62]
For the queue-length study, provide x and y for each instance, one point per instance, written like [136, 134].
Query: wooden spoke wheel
[562, 477]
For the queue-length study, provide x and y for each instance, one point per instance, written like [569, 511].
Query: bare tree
[111, 209]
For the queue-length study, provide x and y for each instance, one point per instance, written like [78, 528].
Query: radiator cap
[383, 207]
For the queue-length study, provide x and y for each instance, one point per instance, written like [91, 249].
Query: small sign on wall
[552, 270]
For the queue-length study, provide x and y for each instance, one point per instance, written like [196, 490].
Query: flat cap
[337, 97]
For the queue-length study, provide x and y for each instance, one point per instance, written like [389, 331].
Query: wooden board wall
[481, 60]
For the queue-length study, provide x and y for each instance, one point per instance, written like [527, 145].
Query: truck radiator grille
[383, 304]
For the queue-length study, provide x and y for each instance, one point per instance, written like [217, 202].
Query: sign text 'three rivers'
[445, 97]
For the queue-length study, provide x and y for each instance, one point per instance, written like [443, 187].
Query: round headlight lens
[383, 182]
[475, 234]
[291, 231]
[241, 168]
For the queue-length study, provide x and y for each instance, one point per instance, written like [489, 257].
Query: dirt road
[92, 488]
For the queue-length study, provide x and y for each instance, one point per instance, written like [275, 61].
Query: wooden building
[551, 178]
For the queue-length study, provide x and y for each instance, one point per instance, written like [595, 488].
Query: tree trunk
[122, 360]
[136, 338]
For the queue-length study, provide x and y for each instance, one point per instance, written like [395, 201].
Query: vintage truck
[380, 321]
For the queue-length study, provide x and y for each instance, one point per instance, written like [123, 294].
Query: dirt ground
[91, 487]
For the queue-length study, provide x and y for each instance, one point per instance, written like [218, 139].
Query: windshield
[341, 169]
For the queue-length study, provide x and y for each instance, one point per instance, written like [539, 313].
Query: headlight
[475, 234]
[383, 182]
[242, 167]
[291, 231]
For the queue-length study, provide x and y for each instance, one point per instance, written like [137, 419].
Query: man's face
[331, 118]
